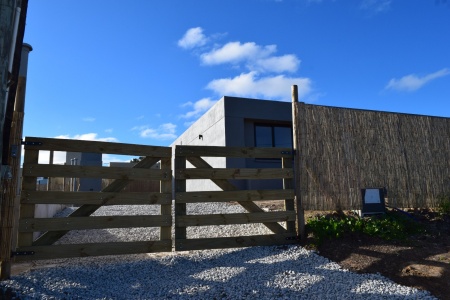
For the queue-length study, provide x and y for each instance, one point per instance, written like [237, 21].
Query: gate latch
[21, 253]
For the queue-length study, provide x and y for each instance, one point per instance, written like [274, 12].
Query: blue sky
[142, 71]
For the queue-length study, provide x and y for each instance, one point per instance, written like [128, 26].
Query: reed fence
[344, 150]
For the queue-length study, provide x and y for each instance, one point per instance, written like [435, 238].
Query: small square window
[267, 135]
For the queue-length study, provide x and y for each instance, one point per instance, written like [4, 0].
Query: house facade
[241, 122]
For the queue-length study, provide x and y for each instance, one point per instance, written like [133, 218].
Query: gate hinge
[31, 143]
[293, 238]
[21, 253]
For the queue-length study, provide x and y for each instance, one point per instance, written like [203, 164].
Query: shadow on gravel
[422, 261]
[246, 273]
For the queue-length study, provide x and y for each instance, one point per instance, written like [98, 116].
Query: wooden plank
[244, 152]
[82, 223]
[117, 185]
[289, 202]
[27, 210]
[180, 187]
[221, 173]
[299, 142]
[39, 170]
[236, 218]
[225, 185]
[95, 198]
[166, 188]
[235, 242]
[97, 147]
[242, 196]
[93, 249]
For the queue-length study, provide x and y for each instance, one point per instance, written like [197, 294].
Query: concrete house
[241, 122]
[85, 159]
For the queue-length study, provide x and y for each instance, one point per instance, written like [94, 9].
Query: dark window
[273, 136]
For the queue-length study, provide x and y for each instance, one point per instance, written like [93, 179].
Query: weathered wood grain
[95, 198]
[93, 249]
[97, 147]
[236, 218]
[235, 242]
[230, 173]
[101, 222]
[245, 152]
[241, 196]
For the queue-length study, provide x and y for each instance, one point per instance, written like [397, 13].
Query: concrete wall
[230, 122]
[241, 115]
[86, 159]
[211, 128]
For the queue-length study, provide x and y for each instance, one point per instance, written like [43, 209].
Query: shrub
[389, 226]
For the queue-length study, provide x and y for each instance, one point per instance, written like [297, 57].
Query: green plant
[388, 226]
[444, 205]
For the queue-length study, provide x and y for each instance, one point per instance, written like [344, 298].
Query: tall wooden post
[298, 163]
[11, 199]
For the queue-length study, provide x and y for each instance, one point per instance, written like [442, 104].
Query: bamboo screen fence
[345, 150]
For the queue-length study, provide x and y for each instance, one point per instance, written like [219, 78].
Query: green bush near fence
[389, 226]
[444, 205]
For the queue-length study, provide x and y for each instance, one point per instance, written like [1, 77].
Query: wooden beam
[166, 189]
[221, 173]
[96, 147]
[298, 131]
[226, 196]
[83, 223]
[180, 187]
[93, 249]
[241, 152]
[235, 242]
[236, 218]
[95, 198]
[40, 170]
[289, 202]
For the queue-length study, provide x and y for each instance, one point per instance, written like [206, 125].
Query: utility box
[373, 201]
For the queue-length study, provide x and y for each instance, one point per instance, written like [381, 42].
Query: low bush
[389, 226]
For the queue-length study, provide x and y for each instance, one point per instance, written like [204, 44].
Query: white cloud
[278, 64]
[412, 82]
[249, 85]
[193, 37]
[165, 131]
[87, 137]
[199, 107]
[89, 119]
[235, 52]
[253, 56]
[376, 6]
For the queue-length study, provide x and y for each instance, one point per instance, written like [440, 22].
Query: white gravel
[276, 272]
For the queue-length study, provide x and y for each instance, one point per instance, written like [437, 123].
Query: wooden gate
[88, 202]
[246, 198]
[282, 223]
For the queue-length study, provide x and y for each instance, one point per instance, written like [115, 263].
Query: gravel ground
[276, 272]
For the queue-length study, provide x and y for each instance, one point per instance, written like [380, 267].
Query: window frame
[272, 127]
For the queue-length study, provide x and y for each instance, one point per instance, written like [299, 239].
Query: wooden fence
[246, 198]
[344, 150]
[88, 202]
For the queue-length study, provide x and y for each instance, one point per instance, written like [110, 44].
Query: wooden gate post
[180, 208]
[299, 160]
